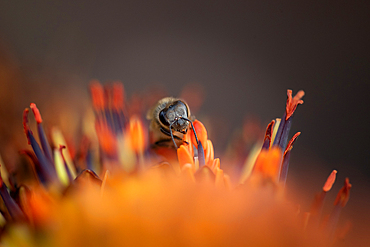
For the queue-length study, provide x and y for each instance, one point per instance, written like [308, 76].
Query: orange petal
[24, 202]
[219, 178]
[137, 136]
[201, 133]
[204, 174]
[330, 181]
[268, 163]
[104, 182]
[97, 95]
[187, 139]
[184, 156]
[187, 171]
[40, 203]
[227, 182]
[209, 153]
[216, 163]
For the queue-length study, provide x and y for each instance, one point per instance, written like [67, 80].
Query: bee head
[174, 115]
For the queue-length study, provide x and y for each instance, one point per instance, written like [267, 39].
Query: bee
[170, 120]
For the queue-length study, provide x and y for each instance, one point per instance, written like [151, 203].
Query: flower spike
[61, 147]
[286, 158]
[291, 142]
[199, 138]
[318, 202]
[343, 194]
[292, 103]
[118, 106]
[46, 167]
[268, 135]
[35, 164]
[13, 208]
[36, 112]
[281, 138]
[118, 98]
[97, 94]
[201, 157]
[26, 128]
[44, 141]
[340, 202]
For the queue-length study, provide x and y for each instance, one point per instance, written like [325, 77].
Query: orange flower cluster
[115, 191]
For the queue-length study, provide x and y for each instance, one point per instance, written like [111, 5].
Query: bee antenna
[192, 126]
[173, 139]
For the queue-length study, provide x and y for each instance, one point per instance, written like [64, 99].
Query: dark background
[244, 53]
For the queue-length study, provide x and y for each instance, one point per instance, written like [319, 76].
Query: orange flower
[142, 203]
[186, 153]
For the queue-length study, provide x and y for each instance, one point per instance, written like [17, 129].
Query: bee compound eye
[181, 111]
[163, 118]
[170, 115]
